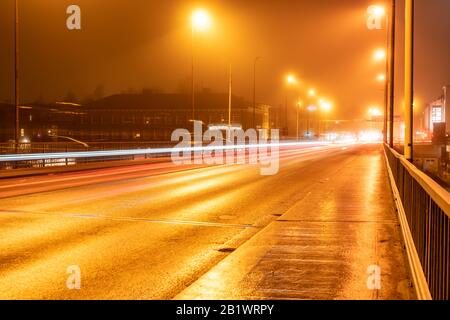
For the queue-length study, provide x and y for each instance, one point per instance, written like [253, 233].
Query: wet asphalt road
[147, 231]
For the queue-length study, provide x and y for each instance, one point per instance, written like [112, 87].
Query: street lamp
[200, 21]
[409, 78]
[381, 78]
[379, 55]
[16, 75]
[326, 106]
[375, 112]
[291, 80]
[312, 92]
[254, 91]
[299, 105]
[378, 11]
[310, 109]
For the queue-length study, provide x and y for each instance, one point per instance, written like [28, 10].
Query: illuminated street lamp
[381, 78]
[375, 112]
[312, 92]
[200, 21]
[291, 80]
[374, 22]
[379, 55]
[378, 11]
[326, 106]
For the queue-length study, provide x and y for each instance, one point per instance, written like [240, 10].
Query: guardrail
[46, 154]
[48, 147]
[424, 212]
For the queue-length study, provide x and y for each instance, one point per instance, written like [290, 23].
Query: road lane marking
[135, 219]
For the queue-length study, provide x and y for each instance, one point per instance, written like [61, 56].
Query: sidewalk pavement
[322, 247]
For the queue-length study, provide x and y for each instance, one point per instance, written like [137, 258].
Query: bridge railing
[48, 147]
[50, 154]
[424, 211]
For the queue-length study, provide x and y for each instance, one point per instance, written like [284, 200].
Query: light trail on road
[136, 152]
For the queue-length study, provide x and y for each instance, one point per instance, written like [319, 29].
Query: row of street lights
[313, 104]
[388, 56]
[380, 55]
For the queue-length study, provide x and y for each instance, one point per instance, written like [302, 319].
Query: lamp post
[254, 91]
[312, 94]
[230, 86]
[299, 105]
[200, 21]
[390, 71]
[310, 109]
[381, 55]
[325, 107]
[409, 78]
[291, 81]
[16, 76]
[392, 78]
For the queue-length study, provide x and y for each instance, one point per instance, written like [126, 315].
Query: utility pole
[387, 82]
[254, 92]
[16, 76]
[409, 78]
[298, 109]
[193, 74]
[286, 116]
[230, 84]
[307, 124]
[392, 77]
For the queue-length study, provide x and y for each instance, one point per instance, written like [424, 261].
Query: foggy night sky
[139, 44]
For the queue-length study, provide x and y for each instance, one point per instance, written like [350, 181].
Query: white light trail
[137, 152]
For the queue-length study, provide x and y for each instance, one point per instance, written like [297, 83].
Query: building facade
[130, 117]
[438, 112]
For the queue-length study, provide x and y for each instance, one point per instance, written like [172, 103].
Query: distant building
[438, 112]
[38, 121]
[130, 117]
[154, 116]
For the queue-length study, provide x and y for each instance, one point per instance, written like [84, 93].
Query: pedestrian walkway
[330, 245]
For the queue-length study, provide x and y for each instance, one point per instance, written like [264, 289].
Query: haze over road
[147, 231]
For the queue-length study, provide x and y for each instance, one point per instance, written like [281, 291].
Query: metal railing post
[409, 78]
